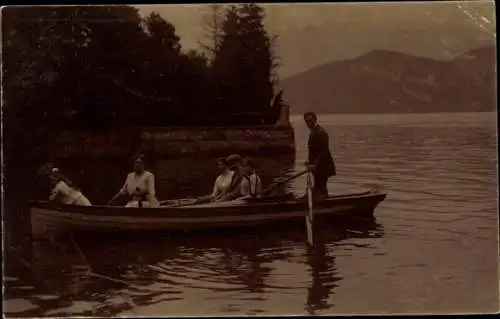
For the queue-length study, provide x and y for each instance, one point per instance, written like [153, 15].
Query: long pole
[309, 216]
[283, 182]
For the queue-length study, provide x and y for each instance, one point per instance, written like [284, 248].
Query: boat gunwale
[369, 198]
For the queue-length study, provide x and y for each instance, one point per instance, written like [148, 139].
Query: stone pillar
[284, 118]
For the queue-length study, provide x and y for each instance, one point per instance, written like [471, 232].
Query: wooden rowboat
[51, 219]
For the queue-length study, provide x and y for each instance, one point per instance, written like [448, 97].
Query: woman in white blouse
[222, 182]
[64, 192]
[139, 186]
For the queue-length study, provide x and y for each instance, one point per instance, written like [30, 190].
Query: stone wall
[176, 141]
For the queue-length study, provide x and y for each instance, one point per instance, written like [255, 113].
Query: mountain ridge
[384, 81]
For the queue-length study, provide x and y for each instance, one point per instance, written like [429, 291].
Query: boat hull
[48, 219]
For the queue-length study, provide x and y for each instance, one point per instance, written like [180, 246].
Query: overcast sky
[312, 34]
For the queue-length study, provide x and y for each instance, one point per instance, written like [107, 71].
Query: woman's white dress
[145, 182]
[68, 195]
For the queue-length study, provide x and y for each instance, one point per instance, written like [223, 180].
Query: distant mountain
[393, 82]
[312, 46]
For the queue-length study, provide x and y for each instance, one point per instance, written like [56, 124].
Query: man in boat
[234, 162]
[63, 191]
[250, 185]
[139, 187]
[320, 160]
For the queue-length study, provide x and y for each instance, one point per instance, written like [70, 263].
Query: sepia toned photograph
[250, 159]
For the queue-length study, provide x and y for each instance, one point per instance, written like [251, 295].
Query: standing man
[319, 160]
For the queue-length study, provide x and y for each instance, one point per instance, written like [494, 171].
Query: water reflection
[321, 260]
[324, 278]
[134, 272]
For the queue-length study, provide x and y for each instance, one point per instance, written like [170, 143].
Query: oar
[261, 192]
[309, 216]
[282, 182]
[178, 204]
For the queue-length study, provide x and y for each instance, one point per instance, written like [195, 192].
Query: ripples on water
[245, 272]
[433, 247]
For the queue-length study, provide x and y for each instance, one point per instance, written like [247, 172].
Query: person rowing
[250, 185]
[139, 187]
[63, 191]
[233, 191]
[222, 182]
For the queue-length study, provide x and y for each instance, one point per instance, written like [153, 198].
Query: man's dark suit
[320, 157]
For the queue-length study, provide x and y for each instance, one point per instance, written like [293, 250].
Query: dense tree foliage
[106, 67]
[243, 65]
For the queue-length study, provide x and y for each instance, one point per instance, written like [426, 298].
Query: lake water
[432, 249]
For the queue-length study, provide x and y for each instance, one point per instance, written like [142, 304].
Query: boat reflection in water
[157, 274]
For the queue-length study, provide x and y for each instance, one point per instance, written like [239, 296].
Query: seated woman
[233, 191]
[64, 192]
[222, 182]
[250, 185]
[139, 187]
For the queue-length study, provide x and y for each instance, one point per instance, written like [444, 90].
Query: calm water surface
[433, 246]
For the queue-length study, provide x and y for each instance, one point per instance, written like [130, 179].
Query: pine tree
[257, 58]
[212, 30]
[160, 89]
[244, 65]
[225, 66]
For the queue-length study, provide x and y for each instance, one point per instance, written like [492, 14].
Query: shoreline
[179, 142]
